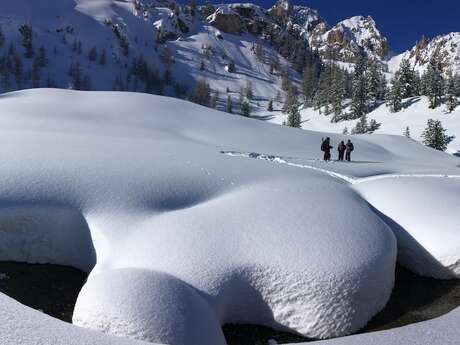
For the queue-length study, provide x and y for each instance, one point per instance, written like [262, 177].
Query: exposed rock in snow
[227, 20]
[447, 48]
[345, 40]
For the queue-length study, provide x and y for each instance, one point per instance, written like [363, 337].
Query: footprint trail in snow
[343, 177]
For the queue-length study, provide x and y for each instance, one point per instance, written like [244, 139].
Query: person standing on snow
[341, 148]
[326, 148]
[349, 148]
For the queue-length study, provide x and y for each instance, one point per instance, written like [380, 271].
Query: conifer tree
[373, 126]
[407, 79]
[337, 94]
[270, 105]
[407, 132]
[2, 37]
[27, 40]
[92, 55]
[375, 84]
[434, 82]
[394, 95]
[248, 90]
[360, 96]
[103, 58]
[362, 126]
[201, 93]
[435, 136]
[345, 130]
[294, 118]
[291, 98]
[245, 108]
[451, 94]
[229, 105]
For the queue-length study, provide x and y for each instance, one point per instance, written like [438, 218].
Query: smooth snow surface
[443, 330]
[181, 237]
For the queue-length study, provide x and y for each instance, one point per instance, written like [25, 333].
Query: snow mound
[186, 238]
[427, 213]
[165, 300]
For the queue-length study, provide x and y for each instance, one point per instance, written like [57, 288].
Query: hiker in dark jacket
[326, 148]
[349, 148]
[341, 148]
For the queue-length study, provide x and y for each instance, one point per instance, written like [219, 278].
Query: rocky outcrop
[226, 20]
[348, 39]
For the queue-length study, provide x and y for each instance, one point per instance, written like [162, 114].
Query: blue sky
[402, 21]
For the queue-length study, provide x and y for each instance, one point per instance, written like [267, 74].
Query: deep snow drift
[181, 238]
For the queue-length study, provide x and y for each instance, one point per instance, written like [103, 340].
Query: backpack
[323, 146]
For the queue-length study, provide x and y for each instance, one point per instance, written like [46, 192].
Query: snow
[443, 330]
[431, 205]
[22, 325]
[415, 114]
[183, 230]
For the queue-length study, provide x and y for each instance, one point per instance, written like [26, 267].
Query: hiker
[341, 148]
[349, 148]
[326, 148]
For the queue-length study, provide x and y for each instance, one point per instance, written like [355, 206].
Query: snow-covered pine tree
[229, 105]
[245, 108]
[248, 90]
[2, 37]
[42, 59]
[103, 58]
[27, 40]
[360, 96]
[291, 98]
[373, 126]
[310, 82]
[434, 82]
[214, 99]
[294, 118]
[231, 68]
[450, 93]
[435, 135]
[394, 95]
[345, 131]
[375, 84]
[407, 132]
[337, 94]
[407, 79]
[270, 105]
[362, 126]
[92, 55]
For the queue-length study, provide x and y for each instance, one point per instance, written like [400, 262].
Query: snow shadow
[47, 234]
[411, 254]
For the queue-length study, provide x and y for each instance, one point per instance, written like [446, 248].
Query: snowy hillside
[188, 218]
[414, 115]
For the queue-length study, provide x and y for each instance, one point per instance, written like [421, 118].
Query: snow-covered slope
[415, 114]
[185, 227]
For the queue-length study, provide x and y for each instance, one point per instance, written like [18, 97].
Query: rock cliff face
[446, 47]
[348, 39]
[343, 42]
